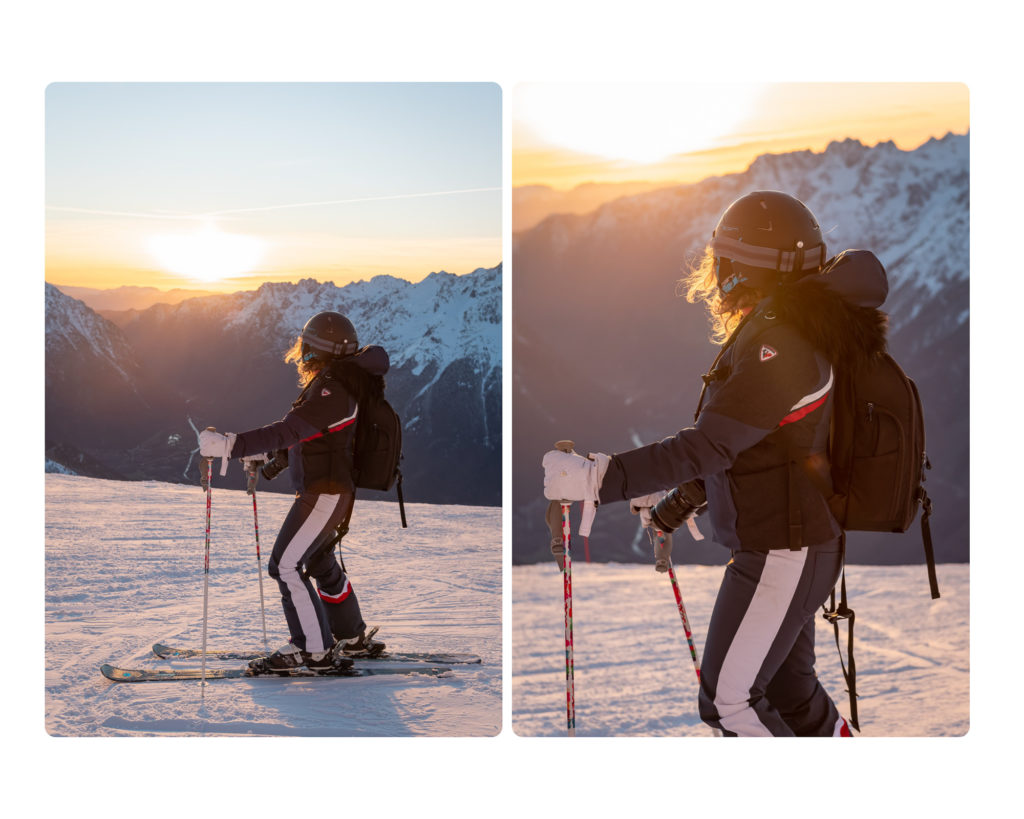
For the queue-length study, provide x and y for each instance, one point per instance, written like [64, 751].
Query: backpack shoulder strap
[833, 615]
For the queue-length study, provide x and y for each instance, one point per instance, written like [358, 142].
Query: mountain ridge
[226, 369]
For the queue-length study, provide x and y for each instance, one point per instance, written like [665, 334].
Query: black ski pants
[316, 616]
[757, 674]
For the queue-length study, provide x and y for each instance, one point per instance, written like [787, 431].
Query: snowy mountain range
[217, 361]
[608, 353]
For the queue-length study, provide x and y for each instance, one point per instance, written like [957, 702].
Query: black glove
[276, 466]
[682, 503]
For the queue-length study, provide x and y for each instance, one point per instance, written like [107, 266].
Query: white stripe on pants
[289, 568]
[753, 640]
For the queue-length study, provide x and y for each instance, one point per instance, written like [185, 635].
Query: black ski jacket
[761, 436]
[319, 431]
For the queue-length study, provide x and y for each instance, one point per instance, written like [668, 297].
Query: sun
[641, 123]
[207, 255]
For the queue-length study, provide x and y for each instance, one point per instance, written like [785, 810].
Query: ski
[167, 652]
[115, 674]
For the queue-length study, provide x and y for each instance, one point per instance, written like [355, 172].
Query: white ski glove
[571, 477]
[213, 444]
[642, 506]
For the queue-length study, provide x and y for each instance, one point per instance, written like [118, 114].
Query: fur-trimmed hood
[837, 310]
[362, 374]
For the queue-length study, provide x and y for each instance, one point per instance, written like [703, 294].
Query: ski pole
[686, 622]
[208, 476]
[570, 683]
[252, 468]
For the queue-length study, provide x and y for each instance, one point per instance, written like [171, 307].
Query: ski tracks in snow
[124, 570]
[634, 675]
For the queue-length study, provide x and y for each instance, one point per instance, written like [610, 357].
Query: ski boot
[291, 660]
[362, 645]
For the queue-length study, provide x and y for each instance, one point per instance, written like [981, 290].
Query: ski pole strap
[553, 516]
[834, 615]
[401, 500]
[926, 536]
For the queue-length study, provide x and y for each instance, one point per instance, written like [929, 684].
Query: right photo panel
[741, 461]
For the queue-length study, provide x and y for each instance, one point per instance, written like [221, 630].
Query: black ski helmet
[328, 335]
[764, 238]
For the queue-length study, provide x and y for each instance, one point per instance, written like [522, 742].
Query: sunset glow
[569, 135]
[207, 255]
[639, 123]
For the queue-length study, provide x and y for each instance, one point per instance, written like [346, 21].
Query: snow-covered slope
[124, 569]
[634, 675]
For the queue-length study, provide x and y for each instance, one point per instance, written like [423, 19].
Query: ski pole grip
[553, 516]
[662, 550]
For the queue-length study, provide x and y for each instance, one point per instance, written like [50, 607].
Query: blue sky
[119, 155]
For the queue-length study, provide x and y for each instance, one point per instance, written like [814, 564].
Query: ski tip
[117, 674]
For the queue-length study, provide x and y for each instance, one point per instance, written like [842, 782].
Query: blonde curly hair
[307, 369]
[701, 285]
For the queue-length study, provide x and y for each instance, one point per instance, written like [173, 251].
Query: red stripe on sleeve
[803, 411]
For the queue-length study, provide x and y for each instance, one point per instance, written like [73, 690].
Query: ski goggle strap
[785, 261]
[322, 344]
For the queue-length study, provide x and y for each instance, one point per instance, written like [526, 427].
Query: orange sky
[568, 135]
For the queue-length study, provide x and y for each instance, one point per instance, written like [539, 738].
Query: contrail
[349, 201]
[268, 207]
[134, 214]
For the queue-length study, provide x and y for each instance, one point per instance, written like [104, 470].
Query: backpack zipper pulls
[871, 411]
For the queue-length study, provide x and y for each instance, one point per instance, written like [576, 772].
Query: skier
[315, 439]
[788, 320]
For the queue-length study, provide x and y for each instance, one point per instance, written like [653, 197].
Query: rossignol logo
[767, 353]
[325, 392]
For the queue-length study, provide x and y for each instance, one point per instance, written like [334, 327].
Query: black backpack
[378, 446]
[378, 435]
[877, 452]
[878, 457]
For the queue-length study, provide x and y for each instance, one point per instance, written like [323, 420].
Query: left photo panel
[273, 380]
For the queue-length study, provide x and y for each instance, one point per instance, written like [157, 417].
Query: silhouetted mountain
[127, 297]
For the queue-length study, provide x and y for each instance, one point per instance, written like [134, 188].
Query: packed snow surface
[124, 569]
[634, 675]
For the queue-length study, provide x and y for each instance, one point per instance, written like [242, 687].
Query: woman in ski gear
[316, 439]
[789, 319]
